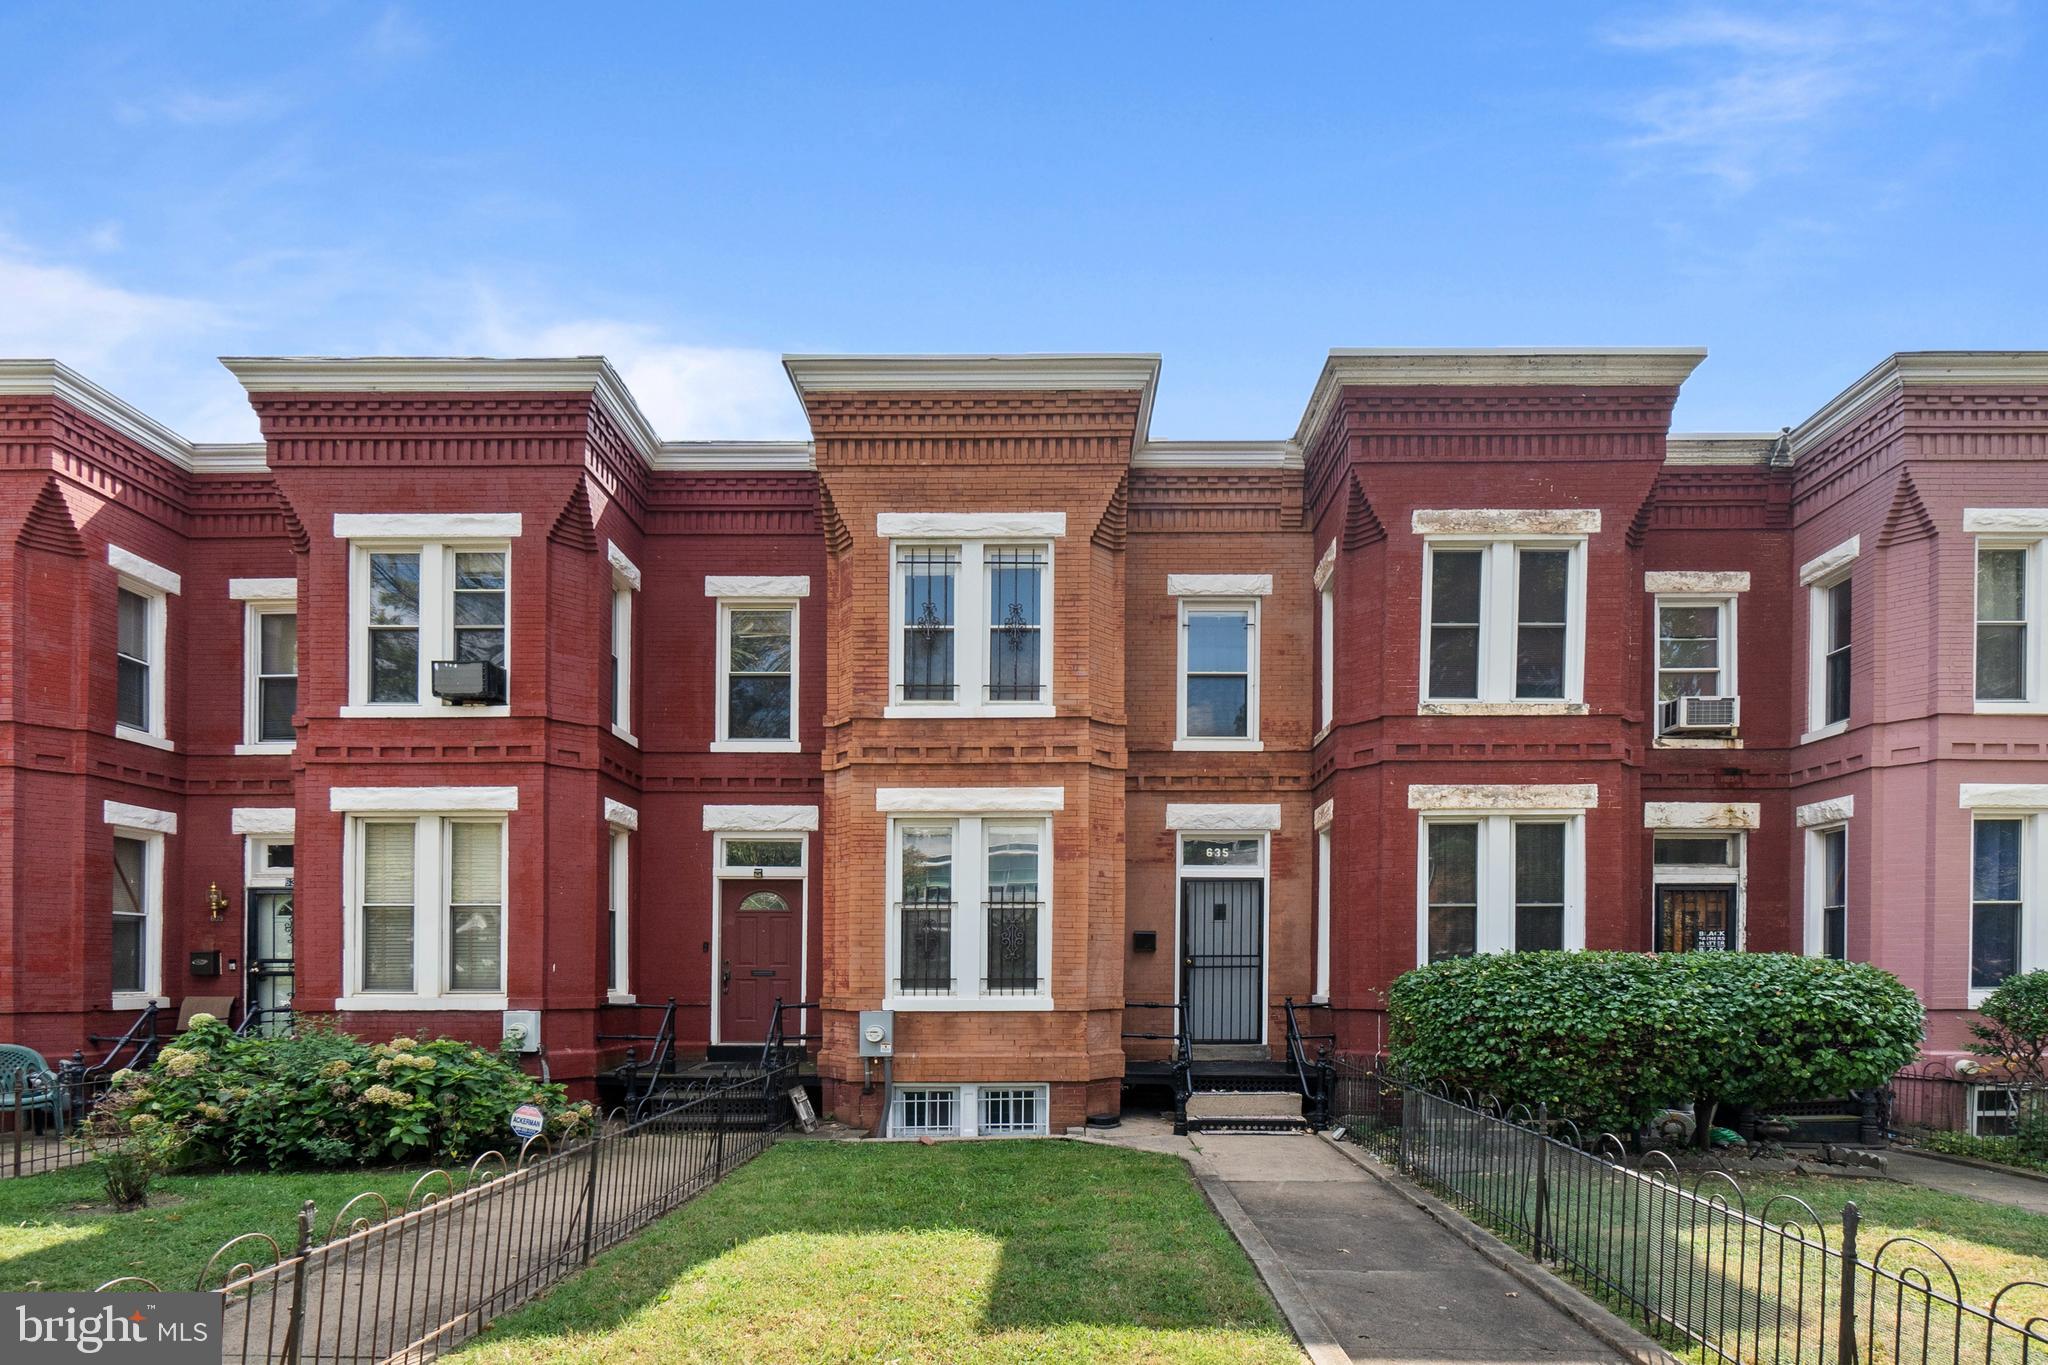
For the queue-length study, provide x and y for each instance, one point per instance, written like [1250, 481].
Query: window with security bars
[1016, 582]
[1011, 1111]
[1012, 908]
[929, 576]
[925, 1112]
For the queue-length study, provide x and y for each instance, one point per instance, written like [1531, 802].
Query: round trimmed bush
[2012, 1027]
[1610, 1038]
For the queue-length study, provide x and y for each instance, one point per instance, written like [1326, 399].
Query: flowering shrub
[129, 1148]
[325, 1098]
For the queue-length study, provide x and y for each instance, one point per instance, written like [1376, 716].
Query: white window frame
[1818, 576]
[1499, 621]
[2034, 696]
[430, 871]
[967, 1100]
[1325, 821]
[1495, 930]
[156, 585]
[1326, 640]
[2033, 892]
[258, 872]
[437, 615]
[788, 824]
[970, 890]
[1249, 742]
[254, 610]
[1725, 605]
[1816, 887]
[150, 828]
[621, 645]
[1258, 822]
[971, 628]
[722, 742]
[620, 823]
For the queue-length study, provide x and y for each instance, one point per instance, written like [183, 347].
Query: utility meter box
[878, 1033]
[523, 1028]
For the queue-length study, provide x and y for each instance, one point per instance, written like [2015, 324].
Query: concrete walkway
[1995, 1187]
[1361, 1272]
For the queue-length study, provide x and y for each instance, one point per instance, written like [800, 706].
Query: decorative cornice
[1892, 375]
[733, 457]
[55, 379]
[1721, 448]
[1218, 454]
[246, 458]
[959, 373]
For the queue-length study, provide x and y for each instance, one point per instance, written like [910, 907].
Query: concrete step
[1230, 1052]
[1244, 1104]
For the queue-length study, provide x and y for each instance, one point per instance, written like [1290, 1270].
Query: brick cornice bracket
[838, 540]
[1908, 520]
[294, 529]
[48, 525]
[1111, 527]
[1361, 524]
[575, 526]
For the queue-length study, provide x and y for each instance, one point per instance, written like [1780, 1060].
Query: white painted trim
[1832, 811]
[1219, 585]
[2004, 796]
[55, 379]
[135, 736]
[2005, 369]
[1534, 706]
[732, 457]
[969, 800]
[1246, 817]
[142, 571]
[1831, 563]
[1702, 815]
[622, 568]
[263, 589]
[1505, 796]
[139, 817]
[1499, 521]
[423, 800]
[2006, 520]
[1494, 925]
[427, 525]
[722, 740]
[479, 1003]
[1704, 582]
[619, 815]
[1326, 813]
[740, 585]
[937, 373]
[971, 525]
[971, 628]
[760, 819]
[263, 820]
[275, 746]
[1218, 455]
[1324, 847]
[1326, 565]
[1254, 612]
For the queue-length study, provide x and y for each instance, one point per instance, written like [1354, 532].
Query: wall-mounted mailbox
[1144, 940]
[206, 963]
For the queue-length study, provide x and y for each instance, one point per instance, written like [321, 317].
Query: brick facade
[1394, 448]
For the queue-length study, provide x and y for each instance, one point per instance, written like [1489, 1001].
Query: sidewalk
[1994, 1187]
[1361, 1273]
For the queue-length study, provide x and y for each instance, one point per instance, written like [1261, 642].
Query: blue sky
[1801, 188]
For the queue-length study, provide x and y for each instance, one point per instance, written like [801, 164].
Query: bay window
[1503, 621]
[1830, 620]
[619, 658]
[135, 876]
[1998, 899]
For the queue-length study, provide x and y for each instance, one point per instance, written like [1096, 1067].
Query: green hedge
[1611, 1038]
[325, 1098]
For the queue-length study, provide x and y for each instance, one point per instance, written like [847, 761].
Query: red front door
[758, 935]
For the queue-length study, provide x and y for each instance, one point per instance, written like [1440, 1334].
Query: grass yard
[55, 1234]
[959, 1252]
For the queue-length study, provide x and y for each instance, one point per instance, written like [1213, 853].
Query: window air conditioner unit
[1699, 715]
[476, 683]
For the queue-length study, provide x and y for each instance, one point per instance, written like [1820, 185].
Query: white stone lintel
[1829, 564]
[263, 589]
[1244, 817]
[1326, 565]
[142, 571]
[139, 817]
[1326, 814]
[427, 525]
[743, 585]
[623, 568]
[619, 815]
[970, 525]
[1506, 796]
[760, 819]
[2004, 796]
[263, 820]
[422, 799]
[2015, 520]
[968, 800]
[1703, 582]
[1702, 815]
[1505, 521]
[1219, 585]
[1832, 811]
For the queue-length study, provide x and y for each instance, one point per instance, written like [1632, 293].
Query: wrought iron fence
[1702, 1267]
[378, 1283]
[1932, 1098]
[40, 1117]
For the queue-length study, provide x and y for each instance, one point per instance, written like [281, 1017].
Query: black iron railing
[1315, 1075]
[785, 1047]
[1011, 931]
[925, 943]
[131, 1051]
[1934, 1098]
[269, 1021]
[1182, 1059]
[1703, 1268]
[40, 1112]
[640, 1081]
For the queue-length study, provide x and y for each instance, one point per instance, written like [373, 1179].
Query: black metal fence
[413, 1282]
[1703, 1268]
[40, 1119]
[1933, 1098]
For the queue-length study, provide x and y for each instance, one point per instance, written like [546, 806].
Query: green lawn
[959, 1252]
[51, 1237]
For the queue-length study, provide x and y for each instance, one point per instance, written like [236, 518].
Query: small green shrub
[325, 1098]
[1611, 1038]
[130, 1149]
[2012, 1027]
[2003, 1150]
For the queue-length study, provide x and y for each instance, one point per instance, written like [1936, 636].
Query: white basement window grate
[927, 1113]
[1012, 1111]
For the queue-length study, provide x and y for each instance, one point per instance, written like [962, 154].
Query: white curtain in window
[476, 903]
[387, 906]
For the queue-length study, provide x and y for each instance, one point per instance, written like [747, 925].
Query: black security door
[1222, 963]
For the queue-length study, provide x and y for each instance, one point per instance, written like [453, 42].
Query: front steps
[1245, 1111]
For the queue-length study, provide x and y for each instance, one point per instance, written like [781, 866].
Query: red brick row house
[465, 702]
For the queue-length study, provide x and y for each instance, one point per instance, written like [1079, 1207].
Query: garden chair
[27, 1084]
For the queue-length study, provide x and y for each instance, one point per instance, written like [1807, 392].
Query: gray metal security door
[1222, 963]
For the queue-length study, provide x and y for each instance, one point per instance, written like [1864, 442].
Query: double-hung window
[757, 661]
[141, 636]
[1830, 616]
[445, 596]
[1827, 892]
[1695, 647]
[136, 880]
[270, 662]
[619, 649]
[1218, 696]
[2012, 646]
[620, 822]
[971, 914]
[1326, 639]
[1999, 884]
[1504, 618]
[426, 897]
[1500, 883]
[970, 618]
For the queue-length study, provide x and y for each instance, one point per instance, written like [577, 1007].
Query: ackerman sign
[118, 1329]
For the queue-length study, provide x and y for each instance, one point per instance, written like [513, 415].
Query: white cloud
[1744, 96]
[202, 108]
[396, 37]
[81, 319]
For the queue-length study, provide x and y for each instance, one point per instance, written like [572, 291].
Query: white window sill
[2011, 708]
[620, 998]
[415, 711]
[627, 735]
[942, 710]
[144, 737]
[1978, 997]
[1319, 999]
[138, 1000]
[967, 1004]
[755, 746]
[267, 747]
[1323, 733]
[1219, 745]
[372, 1003]
[1527, 707]
[1696, 742]
[1824, 732]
